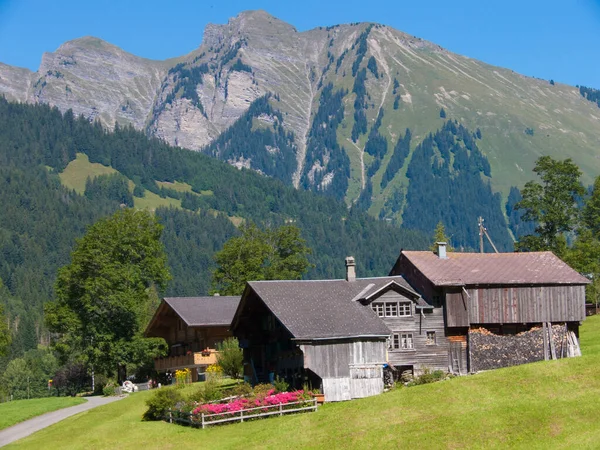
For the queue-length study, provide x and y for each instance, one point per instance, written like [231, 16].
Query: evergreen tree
[5, 337]
[439, 235]
[442, 113]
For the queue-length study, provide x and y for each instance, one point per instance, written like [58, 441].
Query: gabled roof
[324, 309]
[204, 311]
[461, 269]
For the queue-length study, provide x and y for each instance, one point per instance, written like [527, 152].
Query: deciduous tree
[271, 254]
[103, 295]
[552, 204]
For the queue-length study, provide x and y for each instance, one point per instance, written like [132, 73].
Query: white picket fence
[203, 420]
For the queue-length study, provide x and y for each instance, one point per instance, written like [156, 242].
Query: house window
[404, 309]
[378, 308]
[402, 341]
[406, 341]
[392, 309]
[430, 340]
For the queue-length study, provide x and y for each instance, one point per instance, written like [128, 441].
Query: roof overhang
[366, 295]
[341, 338]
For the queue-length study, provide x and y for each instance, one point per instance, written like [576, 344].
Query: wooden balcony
[181, 362]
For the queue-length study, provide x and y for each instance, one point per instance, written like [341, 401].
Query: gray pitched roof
[324, 309]
[204, 311]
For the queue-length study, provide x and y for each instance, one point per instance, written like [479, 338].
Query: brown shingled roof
[494, 268]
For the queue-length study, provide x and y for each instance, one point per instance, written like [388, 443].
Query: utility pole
[482, 231]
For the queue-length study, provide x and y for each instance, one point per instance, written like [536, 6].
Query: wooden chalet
[328, 333]
[498, 309]
[192, 327]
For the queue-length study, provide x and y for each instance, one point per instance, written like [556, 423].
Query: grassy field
[543, 405]
[17, 411]
[79, 170]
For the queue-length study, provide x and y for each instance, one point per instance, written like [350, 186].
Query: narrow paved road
[30, 426]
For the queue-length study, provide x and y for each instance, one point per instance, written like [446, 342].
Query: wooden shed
[517, 300]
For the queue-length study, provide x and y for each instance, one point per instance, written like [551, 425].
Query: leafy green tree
[552, 204]
[439, 235]
[591, 211]
[270, 254]
[230, 357]
[103, 294]
[28, 377]
[5, 338]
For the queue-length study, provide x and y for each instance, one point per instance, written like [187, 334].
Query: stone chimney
[441, 250]
[350, 269]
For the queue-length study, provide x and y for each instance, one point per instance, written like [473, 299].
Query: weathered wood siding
[515, 304]
[457, 308]
[423, 355]
[348, 369]
[415, 278]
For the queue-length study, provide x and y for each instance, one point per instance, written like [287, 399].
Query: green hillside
[545, 405]
[59, 174]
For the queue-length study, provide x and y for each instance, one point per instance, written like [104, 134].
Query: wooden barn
[322, 332]
[499, 309]
[192, 327]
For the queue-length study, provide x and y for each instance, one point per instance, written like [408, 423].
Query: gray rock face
[92, 78]
[191, 100]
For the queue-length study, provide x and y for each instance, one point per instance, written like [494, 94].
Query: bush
[230, 357]
[71, 379]
[160, 402]
[428, 376]
[208, 391]
[242, 389]
[110, 388]
[280, 385]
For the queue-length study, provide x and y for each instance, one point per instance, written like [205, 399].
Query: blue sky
[548, 39]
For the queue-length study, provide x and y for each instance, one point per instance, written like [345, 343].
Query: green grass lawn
[17, 411]
[550, 404]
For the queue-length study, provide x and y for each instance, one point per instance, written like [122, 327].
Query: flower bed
[246, 408]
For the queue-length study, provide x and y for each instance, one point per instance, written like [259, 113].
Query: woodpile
[492, 351]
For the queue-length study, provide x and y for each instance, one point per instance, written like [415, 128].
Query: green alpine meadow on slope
[12, 413]
[542, 405]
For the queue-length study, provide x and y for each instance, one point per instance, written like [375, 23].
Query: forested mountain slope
[340, 110]
[41, 218]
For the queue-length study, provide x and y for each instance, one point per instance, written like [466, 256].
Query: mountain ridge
[387, 82]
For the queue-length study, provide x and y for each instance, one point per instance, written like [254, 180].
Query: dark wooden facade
[268, 347]
[343, 367]
[190, 347]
